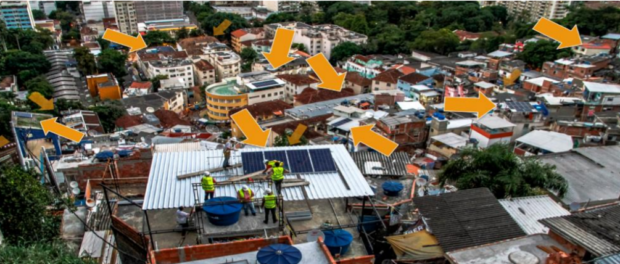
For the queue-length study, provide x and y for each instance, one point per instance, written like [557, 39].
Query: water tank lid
[523, 257]
[279, 254]
[392, 186]
[222, 205]
[338, 238]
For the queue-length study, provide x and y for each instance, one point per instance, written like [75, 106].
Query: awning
[417, 246]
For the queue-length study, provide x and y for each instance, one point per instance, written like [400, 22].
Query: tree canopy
[596, 22]
[108, 112]
[85, 60]
[343, 51]
[503, 172]
[248, 55]
[158, 38]
[215, 19]
[535, 54]
[25, 65]
[441, 41]
[41, 253]
[112, 61]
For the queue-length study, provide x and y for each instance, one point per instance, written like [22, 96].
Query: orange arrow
[44, 103]
[296, 136]
[250, 128]
[567, 38]
[135, 43]
[364, 134]
[50, 125]
[3, 141]
[278, 56]
[480, 105]
[330, 79]
[514, 75]
[219, 30]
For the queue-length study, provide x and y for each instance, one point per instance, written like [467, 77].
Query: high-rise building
[282, 6]
[97, 10]
[16, 14]
[534, 10]
[46, 6]
[130, 13]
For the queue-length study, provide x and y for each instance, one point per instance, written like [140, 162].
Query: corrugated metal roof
[526, 211]
[164, 191]
[394, 165]
[613, 259]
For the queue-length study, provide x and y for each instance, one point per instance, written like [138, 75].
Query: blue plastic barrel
[370, 223]
[104, 155]
[392, 188]
[223, 211]
[338, 241]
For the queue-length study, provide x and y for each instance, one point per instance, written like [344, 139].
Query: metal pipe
[376, 212]
[148, 224]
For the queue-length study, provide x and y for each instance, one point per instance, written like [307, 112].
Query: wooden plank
[285, 181]
[288, 185]
[199, 173]
[243, 177]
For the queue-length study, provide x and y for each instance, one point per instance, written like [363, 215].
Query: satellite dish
[314, 235]
[75, 191]
[73, 184]
[150, 109]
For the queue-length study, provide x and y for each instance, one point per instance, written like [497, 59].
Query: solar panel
[264, 83]
[322, 160]
[277, 155]
[299, 161]
[521, 107]
[252, 162]
[341, 122]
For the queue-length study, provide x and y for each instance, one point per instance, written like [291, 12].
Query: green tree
[537, 53]
[280, 17]
[343, 51]
[25, 65]
[356, 23]
[182, 33]
[104, 44]
[108, 112]
[214, 20]
[112, 61]
[500, 170]
[196, 32]
[41, 85]
[85, 60]
[282, 141]
[66, 19]
[40, 253]
[248, 55]
[299, 46]
[387, 39]
[158, 38]
[157, 81]
[596, 22]
[29, 40]
[38, 14]
[441, 41]
[64, 104]
[23, 214]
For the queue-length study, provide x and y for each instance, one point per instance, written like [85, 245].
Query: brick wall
[133, 169]
[368, 259]
[199, 252]
[572, 248]
[135, 247]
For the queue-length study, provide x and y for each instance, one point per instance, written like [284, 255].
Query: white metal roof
[499, 54]
[452, 140]
[602, 87]
[165, 191]
[459, 123]
[526, 211]
[410, 105]
[539, 81]
[494, 122]
[484, 85]
[551, 141]
[552, 100]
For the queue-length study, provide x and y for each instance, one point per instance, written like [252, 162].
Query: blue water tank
[338, 241]
[439, 116]
[279, 254]
[124, 153]
[392, 188]
[370, 223]
[223, 211]
[104, 155]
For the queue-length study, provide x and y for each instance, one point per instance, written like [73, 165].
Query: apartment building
[295, 84]
[490, 130]
[45, 6]
[318, 38]
[404, 130]
[226, 62]
[97, 10]
[282, 6]
[126, 17]
[16, 14]
[581, 68]
[600, 98]
[204, 72]
[130, 13]
[166, 61]
[245, 34]
[535, 9]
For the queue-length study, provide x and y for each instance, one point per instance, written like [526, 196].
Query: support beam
[297, 184]
[199, 173]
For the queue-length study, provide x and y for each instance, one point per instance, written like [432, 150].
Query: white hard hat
[207, 172]
[244, 187]
[234, 139]
[267, 190]
[265, 160]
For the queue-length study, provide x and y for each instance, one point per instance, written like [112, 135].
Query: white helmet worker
[267, 191]
[244, 187]
[207, 173]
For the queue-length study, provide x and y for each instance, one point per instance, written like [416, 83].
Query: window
[262, 96]
[377, 82]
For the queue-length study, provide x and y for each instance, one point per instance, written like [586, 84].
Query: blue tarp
[392, 186]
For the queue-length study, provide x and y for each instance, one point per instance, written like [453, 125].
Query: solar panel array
[296, 161]
[520, 107]
[264, 83]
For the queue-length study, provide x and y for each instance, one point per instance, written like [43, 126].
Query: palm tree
[503, 172]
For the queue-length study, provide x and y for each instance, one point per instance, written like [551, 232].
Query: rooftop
[548, 140]
[452, 140]
[311, 95]
[494, 122]
[467, 218]
[414, 78]
[602, 87]
[389, 76]
[297, 79]
[373, 163]
[526, 211]
[264, 109]
[393, 121]
[597, 230]
[587, 169]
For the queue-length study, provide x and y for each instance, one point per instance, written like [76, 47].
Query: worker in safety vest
[269, 164]
[208, 185]
[246, 197]
[270, 202]
[277, 176]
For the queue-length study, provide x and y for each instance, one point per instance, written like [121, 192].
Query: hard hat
[233, 139]
[207, 172]
[267, 191]
[244, 187]
[265, 160]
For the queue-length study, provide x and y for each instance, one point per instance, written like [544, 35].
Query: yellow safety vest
[207, 184]
[278, 174]
[270, 201]
[242, 194]
[272, 163]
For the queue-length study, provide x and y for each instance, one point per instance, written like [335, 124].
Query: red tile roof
[203, 65]
[389, 76]
[263, 108]
[361, 57]
[303, 54]
[310, 95]
[297, 79]
[414, 78]
[141, 85]
[168, 119]
[357, 79]
[238, 33]
[128, 121]
[463, 35]
[196, 41]
[88, 31]
[596, 46]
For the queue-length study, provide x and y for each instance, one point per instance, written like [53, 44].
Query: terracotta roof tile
[297, 79]
[263, 108]
[414, 78]
[356, 78]
[195, 41]
[203, 65]
[389, 76]
[310, 95]
[141, 85]
[238, 33]
[128, 121]
[168, 119]
[88, 31]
